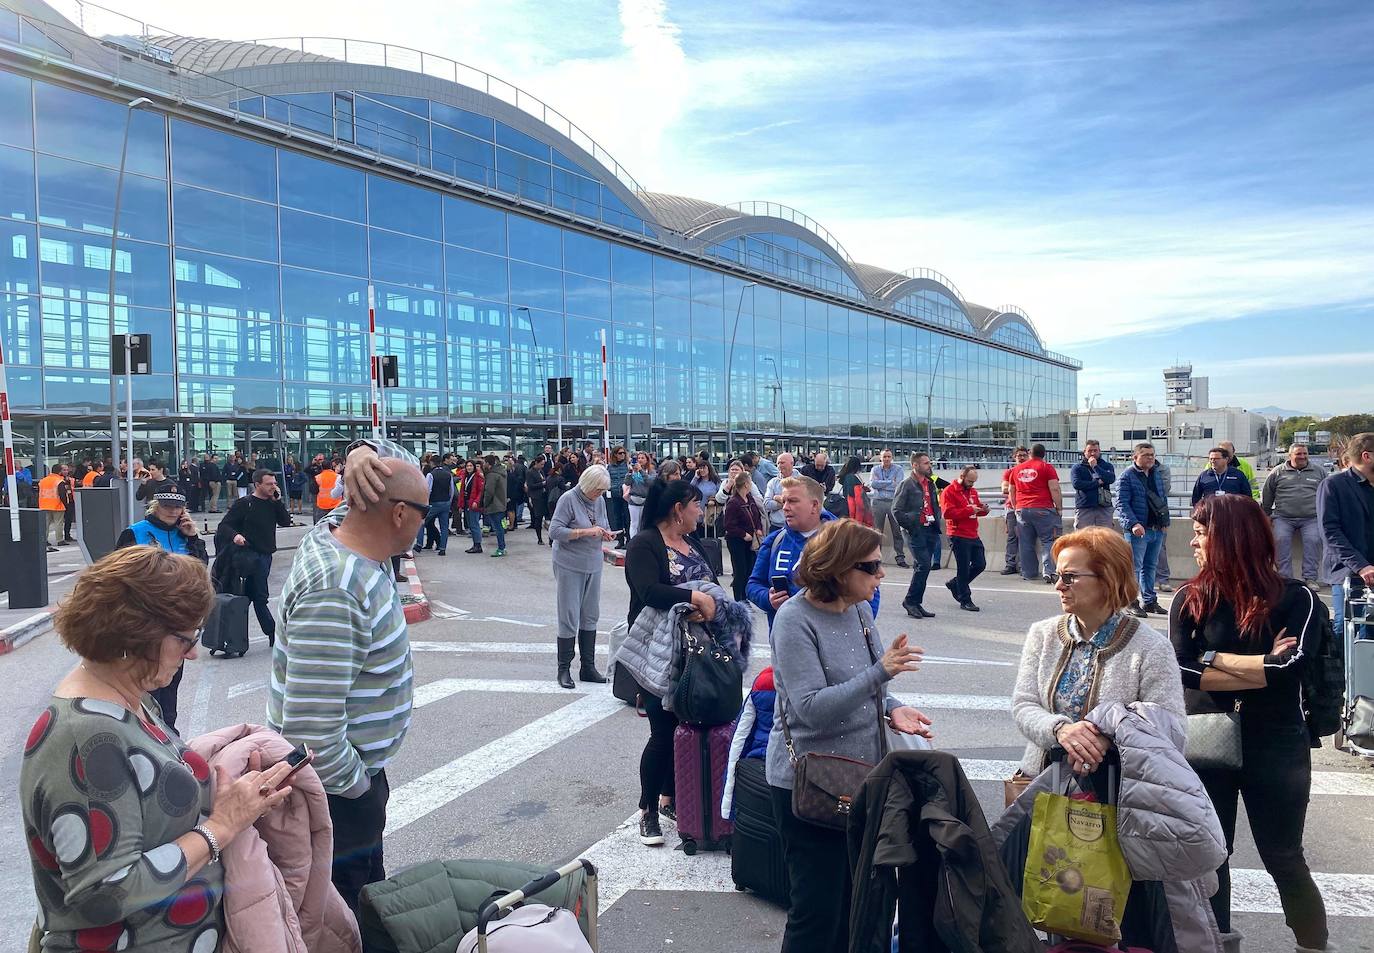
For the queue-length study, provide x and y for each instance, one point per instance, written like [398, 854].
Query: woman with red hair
[1242, 635]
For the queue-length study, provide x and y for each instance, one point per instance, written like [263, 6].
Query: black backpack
[1323, 679]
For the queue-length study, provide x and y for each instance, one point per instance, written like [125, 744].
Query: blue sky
[1149, 181]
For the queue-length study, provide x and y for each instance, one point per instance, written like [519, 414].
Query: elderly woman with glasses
[578, 528]
[122, 823]
[832, 676]
[1092, 653]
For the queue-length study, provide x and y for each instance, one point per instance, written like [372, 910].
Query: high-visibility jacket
[326, 480]
[47, 493]
[89, 478]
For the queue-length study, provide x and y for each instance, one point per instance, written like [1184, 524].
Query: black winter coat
[917, 812]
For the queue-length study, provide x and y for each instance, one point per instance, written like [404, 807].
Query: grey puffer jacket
[1167, 826]
[651, 651]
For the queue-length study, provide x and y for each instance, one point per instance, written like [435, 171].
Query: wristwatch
[1208, 659]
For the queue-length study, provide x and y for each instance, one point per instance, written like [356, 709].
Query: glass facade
[249, 263]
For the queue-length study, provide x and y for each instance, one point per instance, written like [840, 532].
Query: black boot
[586, 647]
[566, 648]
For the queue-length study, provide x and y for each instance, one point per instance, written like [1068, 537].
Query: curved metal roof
[205, 55]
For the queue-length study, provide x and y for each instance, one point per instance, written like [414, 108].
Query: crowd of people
[124, 820]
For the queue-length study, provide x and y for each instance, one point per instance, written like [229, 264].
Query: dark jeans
[436, 526]
[741, 565]
[358, 826]
[1275, 782]
[255, 588]
[921, 548]
[817, 861]
[656, 763]
[166, 699]
[1036, 525]
[495, 524]
[969, 562]
[618, 512]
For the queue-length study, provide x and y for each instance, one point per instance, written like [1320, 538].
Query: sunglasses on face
[871, 566]
[421, 508]
[1069, 578]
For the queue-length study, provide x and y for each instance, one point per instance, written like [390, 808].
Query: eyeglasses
[421, 508]
[1069, 578]
[871, 566]
[187, 644]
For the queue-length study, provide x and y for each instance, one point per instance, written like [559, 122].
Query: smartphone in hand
[299, 757]
[780, 584]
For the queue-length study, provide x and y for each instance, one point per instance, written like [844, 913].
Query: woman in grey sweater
[577, 529]
[831, 675]
[1093, 653]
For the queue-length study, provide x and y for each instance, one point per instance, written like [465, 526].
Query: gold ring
[265, 790]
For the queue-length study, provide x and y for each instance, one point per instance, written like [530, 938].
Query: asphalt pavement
[502, 763]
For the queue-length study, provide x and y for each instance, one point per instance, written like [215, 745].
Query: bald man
[341, 670]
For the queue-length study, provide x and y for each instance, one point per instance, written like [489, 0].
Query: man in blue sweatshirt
[1221, 476]
[781, 549]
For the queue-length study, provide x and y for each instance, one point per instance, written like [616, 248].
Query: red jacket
[961, 510]
[472, 491]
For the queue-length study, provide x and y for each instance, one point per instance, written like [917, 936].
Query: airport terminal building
[246, 197]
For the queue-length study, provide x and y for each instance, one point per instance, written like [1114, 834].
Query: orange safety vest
[89, 478]
[326, 481]
[47, 493]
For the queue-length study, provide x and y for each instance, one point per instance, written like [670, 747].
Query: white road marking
[761, 649]
[496, 648]
[435, 789]
[444, 687]
[625, 864]
[1345, 895]
[1324, 783]
[448, 608]
[200, 708]
[497, 618]
[245, 688]
[932, 700]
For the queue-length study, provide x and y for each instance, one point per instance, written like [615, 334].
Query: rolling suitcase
[507, 924]
[226, 627]
[1359, 668]
[756, 861]
[700, 756]
[711, 547]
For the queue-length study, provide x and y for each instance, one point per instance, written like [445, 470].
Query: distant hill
[1281, 412]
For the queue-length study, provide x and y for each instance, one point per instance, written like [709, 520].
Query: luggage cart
[1359, 664]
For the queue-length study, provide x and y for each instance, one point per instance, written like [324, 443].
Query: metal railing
[929, 274]
[1013, 309]
[765, 209]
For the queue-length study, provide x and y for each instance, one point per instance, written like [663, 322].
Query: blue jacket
[1345, 511]
[1132, 506]
[1084, 479]
[1230, 481]
[778, 556]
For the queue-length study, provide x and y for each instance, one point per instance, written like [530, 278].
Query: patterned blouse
[688, 568]
[1071, 694]
[105, 795]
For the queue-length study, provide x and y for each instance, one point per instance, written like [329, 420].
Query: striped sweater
[341, 670]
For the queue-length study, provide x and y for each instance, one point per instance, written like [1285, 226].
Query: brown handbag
[824, 785]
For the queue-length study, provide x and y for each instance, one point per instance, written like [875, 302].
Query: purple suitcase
[700, 756]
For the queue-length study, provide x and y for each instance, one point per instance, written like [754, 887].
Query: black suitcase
[226, 627]
[756, 861]
[711, 545]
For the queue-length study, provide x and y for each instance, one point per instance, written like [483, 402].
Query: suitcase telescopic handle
[538, 885]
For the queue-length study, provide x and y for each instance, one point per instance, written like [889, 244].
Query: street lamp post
[110, 301]
[782, 401]
[1025, 409]
[930, 393]
[729, 363]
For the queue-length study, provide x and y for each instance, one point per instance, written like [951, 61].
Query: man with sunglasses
[167, 526]
[341, 672]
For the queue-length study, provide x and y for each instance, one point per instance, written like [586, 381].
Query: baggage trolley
[494, 908]
[1359, 661]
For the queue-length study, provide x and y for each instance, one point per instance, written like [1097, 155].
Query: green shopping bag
[1076, 879]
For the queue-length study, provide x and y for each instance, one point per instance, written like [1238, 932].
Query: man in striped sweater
[341, 669]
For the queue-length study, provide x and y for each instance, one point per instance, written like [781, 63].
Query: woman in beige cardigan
[1092, 653]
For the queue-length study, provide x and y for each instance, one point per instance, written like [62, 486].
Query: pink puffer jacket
[278, 897]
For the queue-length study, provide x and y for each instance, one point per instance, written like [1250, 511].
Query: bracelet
[211, 840]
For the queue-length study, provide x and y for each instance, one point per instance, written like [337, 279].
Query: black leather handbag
[1214, 741]
[824, 785]
[711, 689]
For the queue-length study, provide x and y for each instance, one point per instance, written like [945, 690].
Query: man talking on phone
[770, 584]
[246, 540]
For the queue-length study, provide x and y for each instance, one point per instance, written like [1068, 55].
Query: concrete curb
[419, 610]
[616, 557]
[25, 630]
